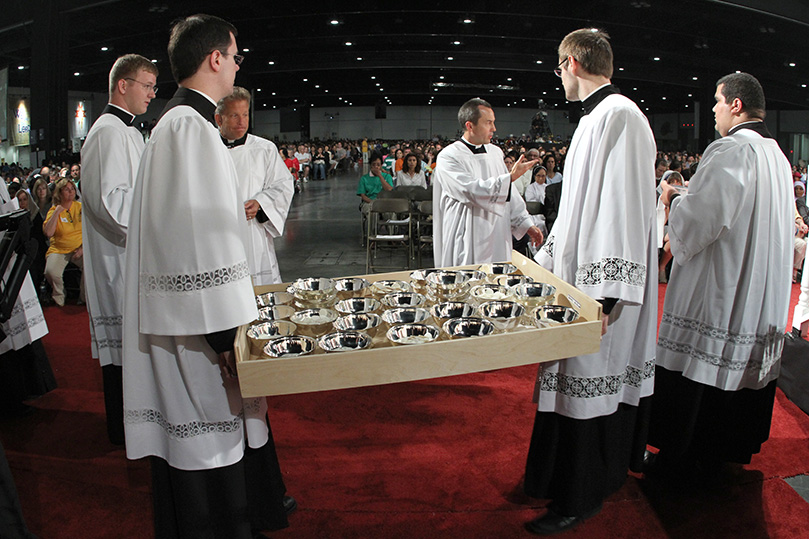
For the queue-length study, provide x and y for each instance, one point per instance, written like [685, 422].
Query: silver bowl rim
[514, 305]
[310, 340]
[398, 309]
[252, 329]
[351, 300]
[432, 330]
[361, 334]
[484, 321]
[319, 311]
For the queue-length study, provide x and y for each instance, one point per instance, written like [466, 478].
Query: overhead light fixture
[373, 77]
[20, 67]
[76, 74]
[154, 60]
[334, 22]
[791, 64]
[348, 43]
[273, 93]
[620, 69]
[450, 58]
[258, 89]
[509, 79]
[456, 42]
[656, 58]
[245, 50]
[305, 80]
[441, 77]
[105, 49]
[694, 78]
[539, 61]
[359, 58]
[271, 63]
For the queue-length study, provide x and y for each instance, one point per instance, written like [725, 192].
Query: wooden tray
[385, 363]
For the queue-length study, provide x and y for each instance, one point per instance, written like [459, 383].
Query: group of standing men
[703, 392]
[177, 231]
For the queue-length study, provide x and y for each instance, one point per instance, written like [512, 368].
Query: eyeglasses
[148, 87]
[238, 58]
[558, 70]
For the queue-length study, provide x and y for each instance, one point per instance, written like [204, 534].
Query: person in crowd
[399, 163]
[411, 173]
[215, 471]
[591, 409]
[675, 179]
[522, 183]
[554, 176]
[63, 227]
[719, 351]
[111, 155]
[304, 162]
[661, 166]
[373, 183]
[476, 210]
[25, 203]
[264, 184]
[535, 192]
[320, 162]
[42, 198]
[292, 165]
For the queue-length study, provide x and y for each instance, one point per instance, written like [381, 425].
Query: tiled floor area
[323, 233]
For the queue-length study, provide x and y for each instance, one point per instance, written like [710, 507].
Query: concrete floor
[323, 233]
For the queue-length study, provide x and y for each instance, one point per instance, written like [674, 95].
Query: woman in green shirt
[373, 183]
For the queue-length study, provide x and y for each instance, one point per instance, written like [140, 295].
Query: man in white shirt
[725, 315]
[592, 409]
[265, 185]
[476, 209]
[111, 155]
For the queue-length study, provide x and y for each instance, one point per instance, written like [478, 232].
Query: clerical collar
[591, 101]
[754, 125]
[118, 112]
[473, 148]
[234, 143]
[195, 99]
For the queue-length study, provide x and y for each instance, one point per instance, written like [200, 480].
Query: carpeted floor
[440, 458]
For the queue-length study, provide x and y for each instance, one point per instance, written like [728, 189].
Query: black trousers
[12, 525]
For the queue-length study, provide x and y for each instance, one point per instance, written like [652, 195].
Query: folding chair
[389, 224]
[424, 228]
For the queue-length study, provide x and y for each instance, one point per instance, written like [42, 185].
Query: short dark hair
[749, 91]
[418, 162]
[194, 38]
[374, 156]
[675, 164]
[470, 111]
[591, 48]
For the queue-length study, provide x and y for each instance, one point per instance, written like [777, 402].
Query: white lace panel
[611, 269]
[151, 283]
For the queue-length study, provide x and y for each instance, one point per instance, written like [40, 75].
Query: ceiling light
[348, 43]
[245, 50]
[334, 22]
[273, 93]
[441, 77]
[296, 101]
[154, 60]
[539, 61]
[359, 58]
[792, 64]
[664, 98]
[689, 95]
[326, 91]
[317, 86]
[20, 67]
[803, 86]
[373, 77]
[305, 80]
[377, 84]
[76, 74]
[694, 78]
[656, 58]
[271, 63]
[467, 20]
[456, 42]
[258, 89]
[105, 49]
[620, 69]
[509, 79]
[450, 58]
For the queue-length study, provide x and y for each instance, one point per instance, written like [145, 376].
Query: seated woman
[550, 166]
[320, 161]
[411, 173]
[535, 192]
[373, 183]
[63, 227]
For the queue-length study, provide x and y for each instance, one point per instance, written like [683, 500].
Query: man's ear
[736, 105]
[121, 86]
[215, 61]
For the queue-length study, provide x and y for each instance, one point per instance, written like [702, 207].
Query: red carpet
[436, 459]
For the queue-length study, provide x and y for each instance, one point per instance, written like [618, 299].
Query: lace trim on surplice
[611, 269]
[584, 387]
[150, 282]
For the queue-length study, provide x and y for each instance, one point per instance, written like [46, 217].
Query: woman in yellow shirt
[63, 227]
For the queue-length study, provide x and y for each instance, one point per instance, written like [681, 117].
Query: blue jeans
[320, 171]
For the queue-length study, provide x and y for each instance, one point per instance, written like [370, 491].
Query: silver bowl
[446, 280]
[474, 277]
[412, 334]
[276, 312]
[504, 315]
[404, 299]
[344, 341]
[314, 322]
[269, 330]
[440, 295]
[499, 268]
[442, 312]
[293, 346]
[418, 278]
[489, 292]
[511, 280]
[314, 289]
[365, 322]
[471, 326]
[405, 315]
[533, 295]
[389, 286]
[357, 305]
[273, 298]
[350, 287]
[554, 315]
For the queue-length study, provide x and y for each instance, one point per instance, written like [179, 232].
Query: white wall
[402, 123]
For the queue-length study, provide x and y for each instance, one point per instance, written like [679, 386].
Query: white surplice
[726, 305]
[472, 219]
[604, 242]
[109, 159]
[26, 323]
[264, 177]
[186, 276]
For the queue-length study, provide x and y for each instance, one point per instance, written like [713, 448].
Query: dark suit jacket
[550, 208]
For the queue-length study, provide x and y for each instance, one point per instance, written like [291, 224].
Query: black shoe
[551, 522]
[649, 460]
[289, 504]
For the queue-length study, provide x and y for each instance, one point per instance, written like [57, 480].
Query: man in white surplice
[265, 185]
[110, 158]
[475, 207]
[591, 408]
[725, 315]
[187, 289]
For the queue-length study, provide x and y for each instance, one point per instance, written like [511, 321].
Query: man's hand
[77, 254]
[251, 208]
[521, 167]
[605, 319]
[536, 236]
[227, 364]
[668, 192]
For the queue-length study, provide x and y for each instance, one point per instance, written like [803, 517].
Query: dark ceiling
[667, 53]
